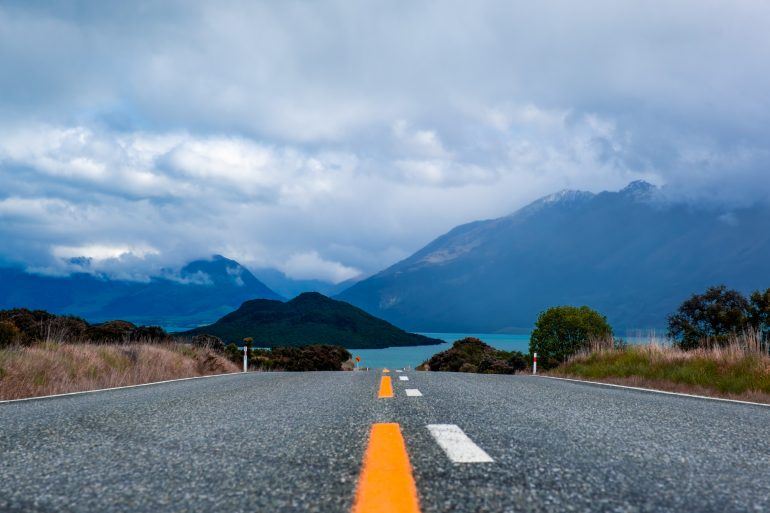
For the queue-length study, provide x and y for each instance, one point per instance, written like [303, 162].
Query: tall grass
[738, 369]
[52, 367]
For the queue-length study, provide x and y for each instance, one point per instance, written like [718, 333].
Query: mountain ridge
[632, 254]
[200, 292]
[309, 318]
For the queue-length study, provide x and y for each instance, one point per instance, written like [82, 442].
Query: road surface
[297, 442]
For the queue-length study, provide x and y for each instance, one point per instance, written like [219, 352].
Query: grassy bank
[53, 368]
[734, 372]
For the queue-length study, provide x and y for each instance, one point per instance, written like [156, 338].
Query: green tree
[759, 317]
[9, 334]
[233, 354]
[710, 318]
[562, 331]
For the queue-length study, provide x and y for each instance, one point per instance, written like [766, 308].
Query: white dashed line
[413, 392]
[456, 444]
[399, 370]
[404, 378]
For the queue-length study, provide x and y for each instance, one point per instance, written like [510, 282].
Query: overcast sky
[329, 139]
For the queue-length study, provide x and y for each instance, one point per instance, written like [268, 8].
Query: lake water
[398, 357]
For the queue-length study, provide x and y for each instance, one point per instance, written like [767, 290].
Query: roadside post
[534, 363]
[358, 361]
[246, 343]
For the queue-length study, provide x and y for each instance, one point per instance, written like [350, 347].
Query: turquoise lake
[398, 357]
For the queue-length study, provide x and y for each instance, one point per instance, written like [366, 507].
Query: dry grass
[55, 368]
[739, 370]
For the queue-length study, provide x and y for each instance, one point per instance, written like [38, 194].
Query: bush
[110, 332]
[9, 334]
[209, 341]
[39, 325]
[149, 333]
[759, 316]
[233, 354]
[710, 318]
[472, 355]
[304, 358]
[562, 331]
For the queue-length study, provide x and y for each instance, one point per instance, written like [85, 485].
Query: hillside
[632, 254]
[200, 292]
[310, 318]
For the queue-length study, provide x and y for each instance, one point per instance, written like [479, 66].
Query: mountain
[633, 255]
[200, 292]
[290, 287]
[310, 318]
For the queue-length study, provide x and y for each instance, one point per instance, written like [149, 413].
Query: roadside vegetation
[718, 344]
[472, 355]
[739, 369]
[562, 331]
[54, 368]
[305, 358]
[42, 354]
[317, 357]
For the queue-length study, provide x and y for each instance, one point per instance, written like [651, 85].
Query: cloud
[353, 134]
[98, 252]
[310, 265]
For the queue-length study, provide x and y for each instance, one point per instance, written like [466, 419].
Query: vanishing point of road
[373, 441]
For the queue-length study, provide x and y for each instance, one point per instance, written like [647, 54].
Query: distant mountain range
[632, 254]
[200, 292]
[290, 287]
[310, 318]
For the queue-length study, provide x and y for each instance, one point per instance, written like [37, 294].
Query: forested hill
[310, 318]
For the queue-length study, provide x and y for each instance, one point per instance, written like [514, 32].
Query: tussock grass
[55, 368]
[739, 370]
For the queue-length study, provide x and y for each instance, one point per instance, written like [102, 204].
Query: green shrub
[9, 334]
[305, 358]
[710, 318]
[562, 331]
[233, 354]
[472, 355]
[209, 341]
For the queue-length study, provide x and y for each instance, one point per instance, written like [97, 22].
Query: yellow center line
[386, 388]
[386, 484]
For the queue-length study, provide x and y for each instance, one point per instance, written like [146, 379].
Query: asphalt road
[295, 442]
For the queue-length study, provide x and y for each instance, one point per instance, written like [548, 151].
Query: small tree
[233, 353]
[562, 331]
[760, 313]
[710, 318]
[9, 334]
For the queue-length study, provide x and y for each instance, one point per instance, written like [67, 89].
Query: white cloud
[357, 133]
[310, 265]
[419, 143]
[102, 251]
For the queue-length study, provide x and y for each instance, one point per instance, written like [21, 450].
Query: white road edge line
[404, 378]
[5, 401]
[413, 392]
[456, 444]
[656, 391]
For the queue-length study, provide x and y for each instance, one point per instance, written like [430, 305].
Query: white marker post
[245, 358]
[534, 364]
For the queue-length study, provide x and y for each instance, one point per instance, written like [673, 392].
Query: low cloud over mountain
[329, 139]
[634, 255]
